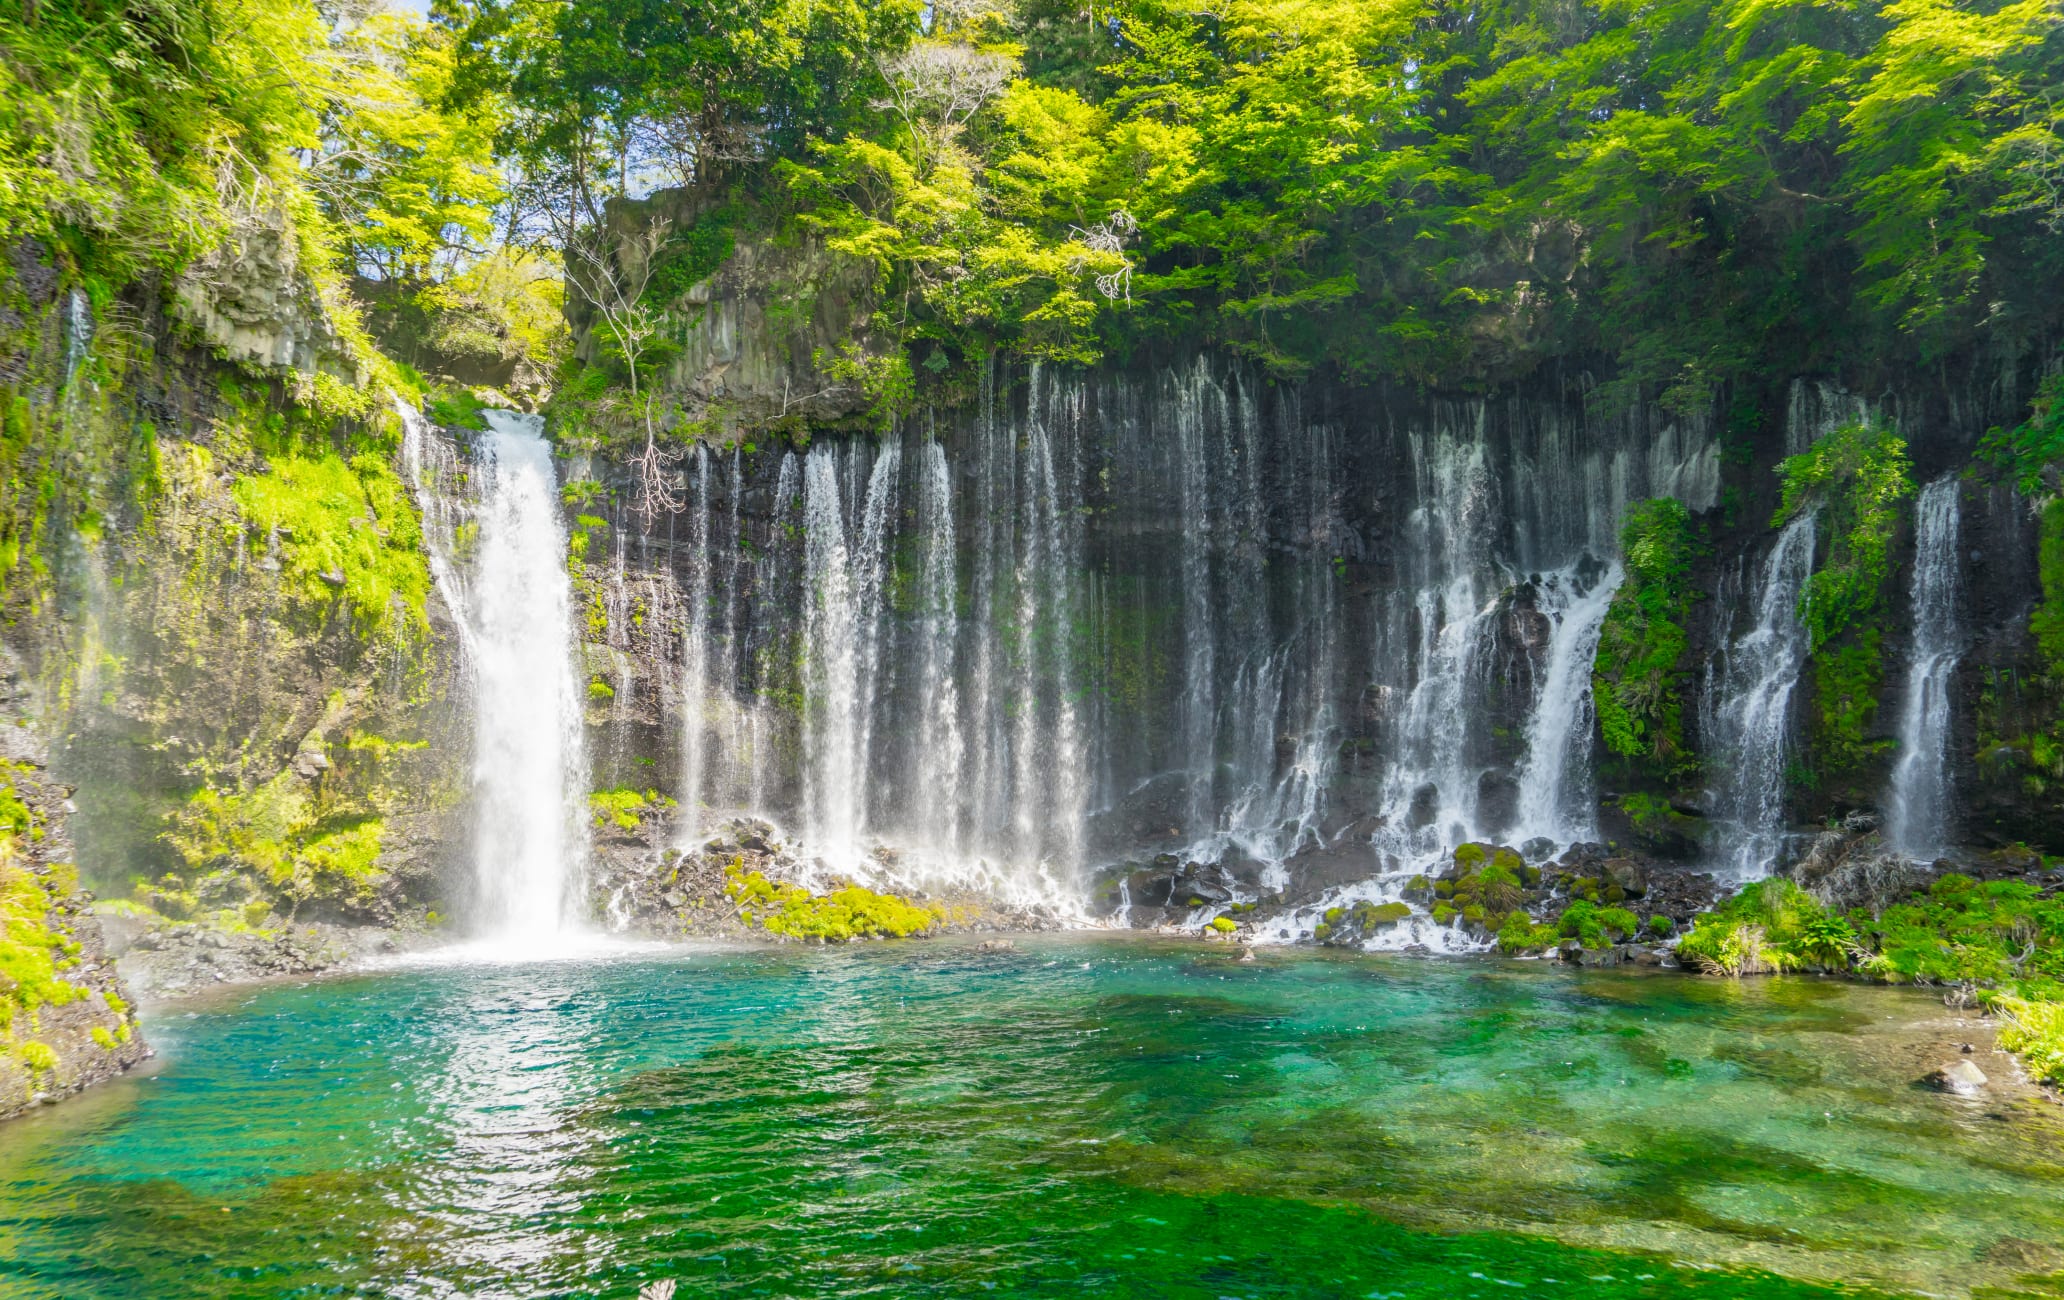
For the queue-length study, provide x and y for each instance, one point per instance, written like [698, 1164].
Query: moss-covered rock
[65, 1019]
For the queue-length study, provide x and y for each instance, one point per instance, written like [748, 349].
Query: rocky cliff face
[1309, 632]
[758, 326]
[214, 583]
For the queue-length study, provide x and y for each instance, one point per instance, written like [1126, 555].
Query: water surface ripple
[1081, 1116]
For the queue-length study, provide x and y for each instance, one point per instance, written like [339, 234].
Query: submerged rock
[1957, 1076]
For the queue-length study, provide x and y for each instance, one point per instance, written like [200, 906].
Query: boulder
[1957, 1076]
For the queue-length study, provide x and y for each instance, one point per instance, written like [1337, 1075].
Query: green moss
[1224, 924]
[2047, 623]
[346, 529]
[280, 838]
[838, 917]
[625, 807]
[457, 408]
[1638, 674]
[33, 953]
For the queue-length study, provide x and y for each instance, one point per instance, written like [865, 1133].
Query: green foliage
[2033, 455]
[1595, 926]
[2001, 932]
[884, 382]
[1771, 925]
[30, 950]
[2047, 623]
[1638, 674]
[2035, 1031]
[33, 953]
[1855, 478]
[838, 917]
[410, 178]
[1694, 189]
[1519, 934]
[692, 255]
[1489, 882]
[2004, 936]
[456, 408]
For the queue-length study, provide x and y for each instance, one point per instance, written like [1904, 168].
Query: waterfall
[695, 648]
[1196, 403]
[936, 781]
[1559, 734]
[1443, 619]
[1919, 801]
[1103, 620]
[78, 333]
[1747, 703]
[1050, 764]
[842, 643]
[514, 606]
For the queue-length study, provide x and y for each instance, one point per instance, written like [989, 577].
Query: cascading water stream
[514, 604]
[1919, 798]
[940, 755]
[1559, 735]
[1748, 706]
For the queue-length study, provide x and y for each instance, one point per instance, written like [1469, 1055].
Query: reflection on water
[1084, 1115]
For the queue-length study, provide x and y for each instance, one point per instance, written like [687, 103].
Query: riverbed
[1077, 1115]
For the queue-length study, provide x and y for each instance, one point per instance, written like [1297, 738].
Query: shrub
[2034, 1030]
[1519, 934]
[1771, 925]
[1595, 926]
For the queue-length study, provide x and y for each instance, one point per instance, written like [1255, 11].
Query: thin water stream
[1919, 801]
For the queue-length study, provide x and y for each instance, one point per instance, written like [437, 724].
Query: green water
[1080, 1117]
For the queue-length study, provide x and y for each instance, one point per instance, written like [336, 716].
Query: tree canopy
[1420, 188]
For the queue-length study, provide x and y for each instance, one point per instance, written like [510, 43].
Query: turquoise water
[1080, 1117]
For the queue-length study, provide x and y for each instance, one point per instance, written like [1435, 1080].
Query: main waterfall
[499, 549]
[1101, 620]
